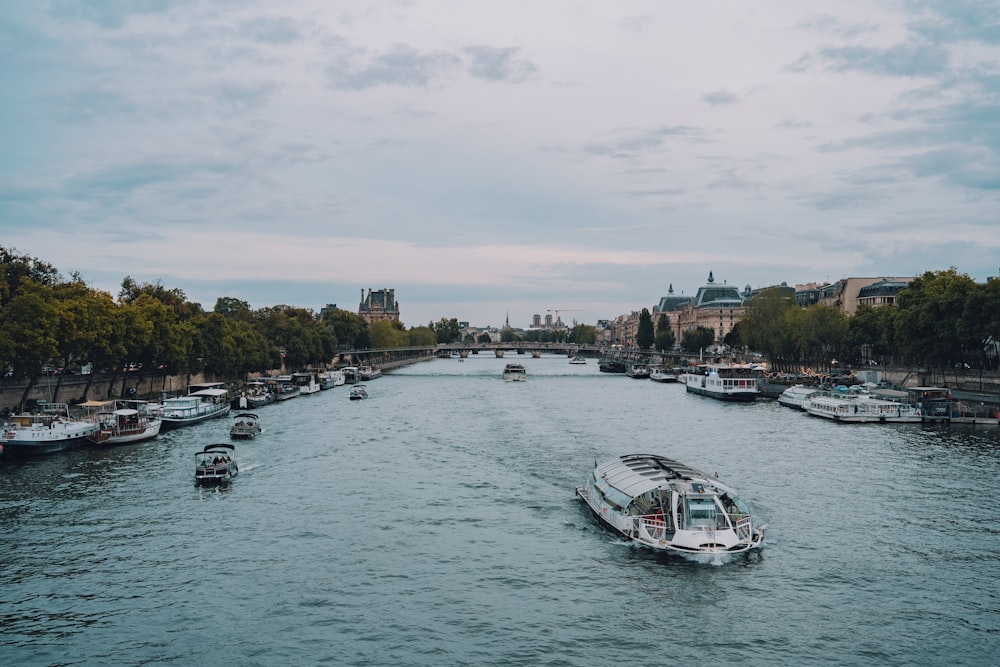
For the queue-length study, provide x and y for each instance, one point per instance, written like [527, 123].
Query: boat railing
[651, 527]
[743, 525]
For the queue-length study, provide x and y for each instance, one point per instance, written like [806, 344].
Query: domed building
[715, 306]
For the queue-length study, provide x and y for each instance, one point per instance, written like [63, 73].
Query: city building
[715, 306]
[379, 305]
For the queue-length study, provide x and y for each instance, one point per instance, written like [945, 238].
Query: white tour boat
[215, 464]
[514, 373]
[124, 421]
[204, 400]
[50, 430]
[860, 408]
[667, 506]
[796, 396]
[726, 383]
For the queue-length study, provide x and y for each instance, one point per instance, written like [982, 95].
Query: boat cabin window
[701, 512]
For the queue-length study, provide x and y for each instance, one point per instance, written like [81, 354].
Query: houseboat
[726, 383]
[205, 400]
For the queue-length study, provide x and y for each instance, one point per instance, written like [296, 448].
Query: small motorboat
[215, 464]
[245, 425]
[578, 360]
[514, 373]
[666, 506]
[358, 392]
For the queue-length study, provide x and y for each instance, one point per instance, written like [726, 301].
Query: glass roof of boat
[636, 474]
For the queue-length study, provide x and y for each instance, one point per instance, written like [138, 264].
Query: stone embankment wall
[961, 379]
[75, 389]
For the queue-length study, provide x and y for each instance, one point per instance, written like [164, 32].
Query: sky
[494, 160]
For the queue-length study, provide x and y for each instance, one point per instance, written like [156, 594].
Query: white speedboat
[796, 396]
[660, 374]
[578, 360]
[124, 421]
[514, 373]
[855, 408]
[205, 400]
[215, 464]
[666, 506]
[726, 383]
[350, 374]
[358, 392]
[48, 431]
[245, 425]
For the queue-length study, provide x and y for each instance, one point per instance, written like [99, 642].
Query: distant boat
[797, 396]
[358, 392]
[637, 371]
[215, 464]
[124, 421]
[726, 383]
[660, 374]
[306, 382]
[367, 373]
[514, 373]
[578, 360]
[51, 430]
[855, 408]
[205, 400]
[244, 425]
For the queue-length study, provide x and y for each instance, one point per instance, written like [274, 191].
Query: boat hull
[170, 423]
[732, 397]
[111, 437]
[38, 447]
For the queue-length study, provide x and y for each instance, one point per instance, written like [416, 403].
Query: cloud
[496, 64]
[402, 66]
[720, 97]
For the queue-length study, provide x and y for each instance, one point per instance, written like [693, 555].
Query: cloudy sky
[486, 158]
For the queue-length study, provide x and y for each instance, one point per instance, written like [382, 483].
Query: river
[435, 524]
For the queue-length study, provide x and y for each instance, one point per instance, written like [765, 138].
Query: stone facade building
[379, 305]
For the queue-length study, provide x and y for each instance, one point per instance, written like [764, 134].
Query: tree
[644, 335]
[929, 312]
[345, 325]
[447, 330]
[694, 340]
[386, 334]
[422, 337]
[508, 336]
[665, 337]
[583, 334]
[765, 327]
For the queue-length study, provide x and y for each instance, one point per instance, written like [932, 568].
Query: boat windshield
[701, 511]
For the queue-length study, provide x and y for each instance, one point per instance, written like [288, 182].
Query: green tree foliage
[930, 317]
[694, 340]
[232, 308]
[363, 341]
[644, 336]
[582, 334]
[766, 328]
[344, 325]
[508, 336]
[447, 330]
[665, 338]
[386, 334]
[422, 337]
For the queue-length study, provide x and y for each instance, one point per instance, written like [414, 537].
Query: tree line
[53, 324]
[942, 319]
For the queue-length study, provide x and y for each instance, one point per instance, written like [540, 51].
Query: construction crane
[564, 310]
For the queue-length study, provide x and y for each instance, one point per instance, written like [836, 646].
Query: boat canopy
[126, 412]
[636, 474]
[209, 392]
